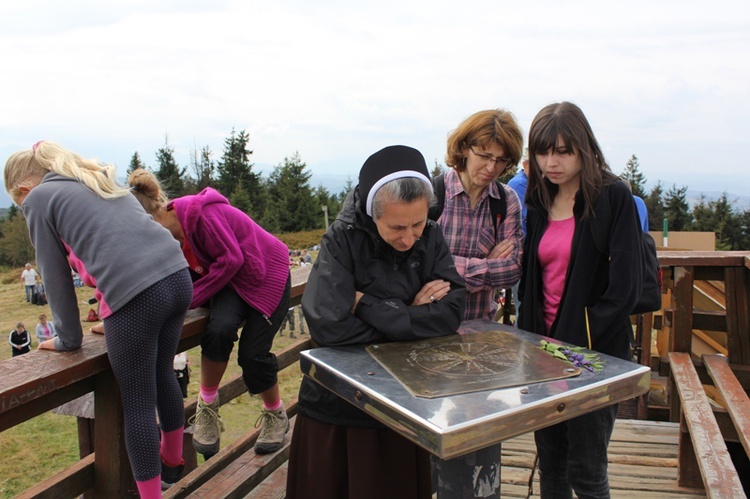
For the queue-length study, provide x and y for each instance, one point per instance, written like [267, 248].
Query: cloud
[337, 80]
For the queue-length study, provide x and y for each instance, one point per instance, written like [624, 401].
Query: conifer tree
[634, 177]
[290, 198]
[234, 168]
[655, 207]
[437, 169]
[203, 167]
[135, 163]
[676, 208]
[168, 171]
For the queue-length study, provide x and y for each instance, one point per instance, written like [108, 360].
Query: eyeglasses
[499, 162]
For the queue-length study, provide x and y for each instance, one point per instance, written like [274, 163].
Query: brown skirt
[337, 462]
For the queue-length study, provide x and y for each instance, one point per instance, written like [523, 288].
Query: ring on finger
[432, 298]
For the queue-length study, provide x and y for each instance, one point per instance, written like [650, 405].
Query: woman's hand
[502, 250]
[357, 296]
[47, 345]
[98, 328]
[431, 292]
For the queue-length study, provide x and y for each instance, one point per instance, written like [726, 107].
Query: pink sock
[209, 393]
[150, 489]
[171, 447]
[273, 407]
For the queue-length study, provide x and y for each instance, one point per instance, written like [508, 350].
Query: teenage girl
[572, 292]
[72, 204]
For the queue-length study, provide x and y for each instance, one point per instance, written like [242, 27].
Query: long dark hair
[565, 120]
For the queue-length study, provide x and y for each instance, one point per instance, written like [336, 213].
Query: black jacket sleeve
[329, 296]
[625, 263]
[331, 288]
[401, 321]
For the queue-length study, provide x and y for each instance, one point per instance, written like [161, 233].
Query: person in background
[72, 204]
[182, 372]
[29, 278]
[640, 206]
[305, 257]
[383, 274]
[45, 329]
[570, 290]
[241, 273]
[518, 183]
[642, 210]
[288, 320]
[487, 252]
[20, 340]
[301, 317]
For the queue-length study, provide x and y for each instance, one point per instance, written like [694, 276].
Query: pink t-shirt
[554, 257]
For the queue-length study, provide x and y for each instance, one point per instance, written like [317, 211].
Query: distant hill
[739, 203]
[335, 183]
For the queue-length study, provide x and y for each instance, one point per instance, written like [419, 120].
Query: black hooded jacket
[353, 257]
[600, 291]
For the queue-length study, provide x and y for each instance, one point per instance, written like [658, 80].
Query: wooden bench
[236, 469]
[703, 458]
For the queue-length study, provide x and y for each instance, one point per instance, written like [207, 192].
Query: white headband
[392, 176]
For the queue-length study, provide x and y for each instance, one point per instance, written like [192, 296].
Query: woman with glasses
[487, 252]
[570, 290]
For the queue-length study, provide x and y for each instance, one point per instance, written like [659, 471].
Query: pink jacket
[234, 250]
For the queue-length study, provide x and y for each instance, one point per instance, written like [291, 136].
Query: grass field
[37, 449]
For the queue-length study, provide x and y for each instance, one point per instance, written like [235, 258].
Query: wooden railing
[704, 460]
[37, 382]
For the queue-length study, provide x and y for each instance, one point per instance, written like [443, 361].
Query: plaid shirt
[470, 236]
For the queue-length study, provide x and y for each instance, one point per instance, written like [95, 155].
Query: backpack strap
[438, 186]
[498, 206]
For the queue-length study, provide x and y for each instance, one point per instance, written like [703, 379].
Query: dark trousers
[573, 456]
[228, 311]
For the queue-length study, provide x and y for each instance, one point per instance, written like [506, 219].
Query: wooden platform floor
[642, 463]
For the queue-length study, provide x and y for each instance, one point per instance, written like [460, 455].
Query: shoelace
[267, 428]
[209, 415]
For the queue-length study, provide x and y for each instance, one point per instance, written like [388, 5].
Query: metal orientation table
[457, 424]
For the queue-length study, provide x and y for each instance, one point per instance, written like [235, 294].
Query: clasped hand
[431, 292]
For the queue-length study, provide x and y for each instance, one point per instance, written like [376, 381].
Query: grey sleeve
[53, 264]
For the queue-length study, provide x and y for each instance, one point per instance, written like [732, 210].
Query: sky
[336, 81]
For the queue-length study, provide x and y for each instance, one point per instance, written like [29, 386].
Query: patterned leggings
[141, 342]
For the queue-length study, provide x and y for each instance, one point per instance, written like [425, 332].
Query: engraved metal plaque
[456, 364]
[455, 425]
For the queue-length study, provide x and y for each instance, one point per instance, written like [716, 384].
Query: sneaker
[291, 335]
[274, 425]
[207, 427]
[170, 475]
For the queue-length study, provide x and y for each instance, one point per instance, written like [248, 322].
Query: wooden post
[681, 335]
[113, 477]
[737, 309]
[645, 324]
[682, 304]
